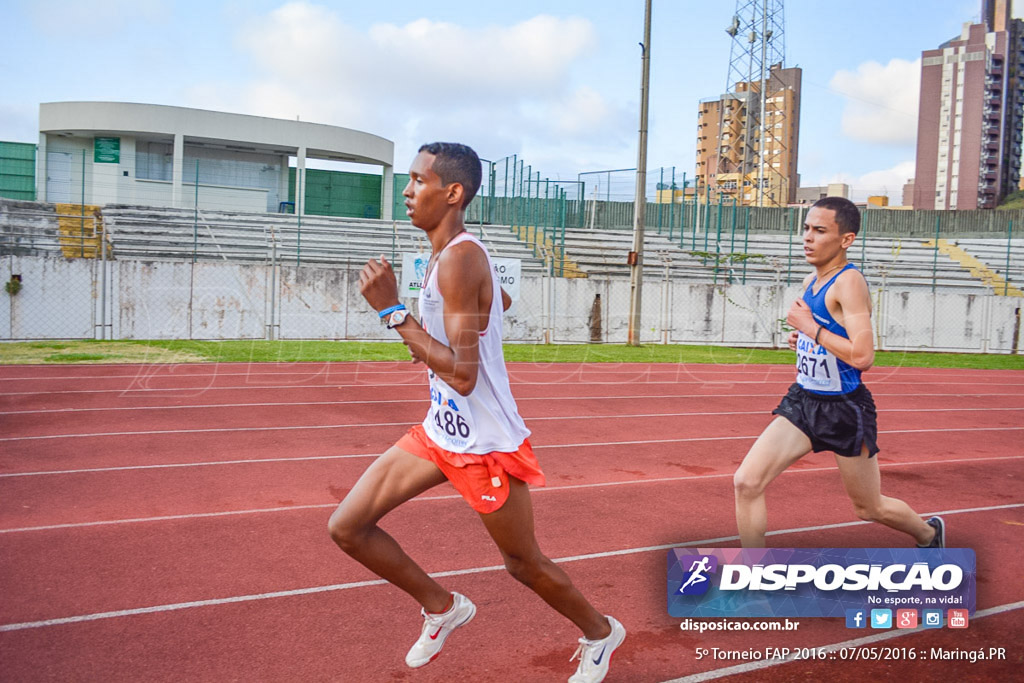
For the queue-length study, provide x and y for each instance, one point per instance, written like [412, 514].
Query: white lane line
[515, 368]
[358, 425]
[207, 406]
[251, 461]
[741, 438]
[866, 640]
[171, 518]
[199, 390]
[640, 370]
[186, 605]
[528, 367]
[205, 431]
[456, 572]
[713, 384]
[419, 400]
[257, 461]
[567, 487]
[204, 368]
[587, 444]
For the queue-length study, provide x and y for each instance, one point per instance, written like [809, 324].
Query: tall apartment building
[969, 125]
[729, 144]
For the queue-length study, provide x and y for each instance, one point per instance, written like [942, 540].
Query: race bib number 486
[450, 422]
[816, 368]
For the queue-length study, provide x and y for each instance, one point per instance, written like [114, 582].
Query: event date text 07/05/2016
[853, 653]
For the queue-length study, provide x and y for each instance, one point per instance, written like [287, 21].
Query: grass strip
[316, 351]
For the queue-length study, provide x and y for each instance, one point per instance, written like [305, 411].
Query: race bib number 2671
[816, 368]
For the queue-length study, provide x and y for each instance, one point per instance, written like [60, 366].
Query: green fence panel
[340, 193]
[18, 170]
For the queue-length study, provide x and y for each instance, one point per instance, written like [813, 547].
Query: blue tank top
[818, 370]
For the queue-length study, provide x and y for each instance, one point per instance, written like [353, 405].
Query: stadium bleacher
[779, 258]
[166, 233]
[141, 232]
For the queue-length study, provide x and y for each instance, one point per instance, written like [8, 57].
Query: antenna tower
[748, 142]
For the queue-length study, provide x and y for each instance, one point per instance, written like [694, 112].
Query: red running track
[167, 523]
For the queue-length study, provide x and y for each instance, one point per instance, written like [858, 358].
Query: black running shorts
[840, 423]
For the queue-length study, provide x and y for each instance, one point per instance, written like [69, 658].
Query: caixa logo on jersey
[816, 582]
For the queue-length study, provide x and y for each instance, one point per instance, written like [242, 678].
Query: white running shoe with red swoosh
[437, 628]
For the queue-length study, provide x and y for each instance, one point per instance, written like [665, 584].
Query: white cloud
[529, 57]
[498, 87]
[882, 101]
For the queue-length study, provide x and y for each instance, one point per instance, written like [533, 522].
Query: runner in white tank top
[472, 437]
[487, 420]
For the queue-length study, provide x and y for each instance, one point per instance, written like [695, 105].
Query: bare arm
[851, 294]
[463, 279]
[465, 282]
[792, 339]
[506, 300]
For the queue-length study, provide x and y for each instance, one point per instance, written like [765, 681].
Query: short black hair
[456, 163]
[847, 213]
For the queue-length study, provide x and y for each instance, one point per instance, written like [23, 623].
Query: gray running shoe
[940, 533]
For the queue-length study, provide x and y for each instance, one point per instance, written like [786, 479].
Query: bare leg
[779, 446]
[392, 479]
[863, 484]
[511, 527]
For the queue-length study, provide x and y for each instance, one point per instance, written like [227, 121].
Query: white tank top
[487, 420]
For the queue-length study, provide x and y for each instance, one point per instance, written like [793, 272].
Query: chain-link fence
[715, 274]
[227, 257]
[131, 298]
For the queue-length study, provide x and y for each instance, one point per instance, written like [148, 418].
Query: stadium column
[300, 182]
[177, 169]
[387, 194]
[41, 157]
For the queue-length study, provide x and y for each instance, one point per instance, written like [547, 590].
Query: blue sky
[554, 82]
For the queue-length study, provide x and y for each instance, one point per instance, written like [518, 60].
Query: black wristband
[818, 334]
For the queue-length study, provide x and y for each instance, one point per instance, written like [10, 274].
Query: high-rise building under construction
[748, 138]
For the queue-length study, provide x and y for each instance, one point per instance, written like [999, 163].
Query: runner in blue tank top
[820, 371]
[828, 408]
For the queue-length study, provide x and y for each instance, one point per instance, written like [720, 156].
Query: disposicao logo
[823, 582]
[696, 580]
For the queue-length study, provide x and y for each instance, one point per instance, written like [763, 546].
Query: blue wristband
[389, 311]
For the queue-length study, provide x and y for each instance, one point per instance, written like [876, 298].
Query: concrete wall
[216, 198]
[916, 319]
[63, 298]
[218, 138]
[115, 118]
[56, 300]
[131, 181]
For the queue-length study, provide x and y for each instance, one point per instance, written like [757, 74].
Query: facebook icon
[856, 618]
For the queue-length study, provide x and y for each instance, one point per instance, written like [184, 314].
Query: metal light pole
[761, 141]
[640, 202]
